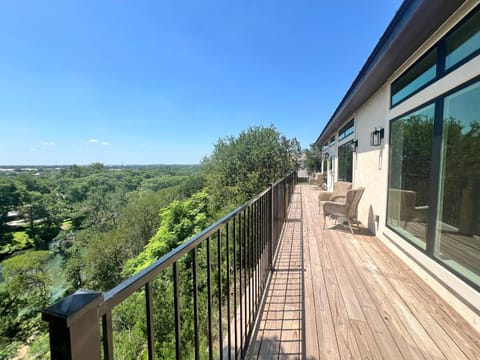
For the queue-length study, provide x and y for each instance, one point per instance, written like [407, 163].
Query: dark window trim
[455, 28]
[427, 84]
[434, 178]
[332, 141]
[345, 128]
[349, 148]
[441, 72]
[411, 111]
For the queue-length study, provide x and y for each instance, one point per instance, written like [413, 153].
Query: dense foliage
[313, 158]
[93, 226]
[240, 167]
[92, 219]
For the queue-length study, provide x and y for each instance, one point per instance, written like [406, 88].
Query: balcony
[280, 287]
[354, 299]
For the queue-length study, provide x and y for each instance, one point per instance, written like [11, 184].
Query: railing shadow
[280, 330]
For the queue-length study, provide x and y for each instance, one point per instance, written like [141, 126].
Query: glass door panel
[345, 162]
[458, 223]
[409, 174]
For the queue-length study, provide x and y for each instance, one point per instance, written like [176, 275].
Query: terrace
[335, 295]
[298, 292]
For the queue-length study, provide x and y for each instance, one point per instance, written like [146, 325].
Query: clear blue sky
[150, 82]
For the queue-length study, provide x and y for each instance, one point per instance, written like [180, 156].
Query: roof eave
[406, 32]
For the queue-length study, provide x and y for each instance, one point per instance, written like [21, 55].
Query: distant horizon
[95, 162]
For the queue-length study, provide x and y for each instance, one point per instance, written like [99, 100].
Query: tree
[9, 200]
[313, 158]
[240, 167]
[179, 222]
[23, 293]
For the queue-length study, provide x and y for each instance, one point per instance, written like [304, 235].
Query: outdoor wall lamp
[376, 137]
[326, 155]
[354, 145]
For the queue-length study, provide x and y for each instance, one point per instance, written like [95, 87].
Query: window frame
[434, 178]
[440, 47]
[342, 133]
[411, 68]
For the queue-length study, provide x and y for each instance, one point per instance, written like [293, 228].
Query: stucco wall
[370, 163]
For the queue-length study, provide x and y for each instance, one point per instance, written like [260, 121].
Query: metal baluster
[227, 245]
[107, 329]
[219, 283]
[195, 303]
[240, 231]
[209, 301]
[178, 345]
[150, 329]
[234, 233]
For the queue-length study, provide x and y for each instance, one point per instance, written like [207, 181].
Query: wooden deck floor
[334, 296]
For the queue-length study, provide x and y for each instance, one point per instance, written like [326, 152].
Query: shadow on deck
[334, 295]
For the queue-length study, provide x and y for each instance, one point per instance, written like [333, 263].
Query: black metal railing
[219, 279]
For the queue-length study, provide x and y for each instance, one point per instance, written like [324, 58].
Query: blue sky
[159, 82]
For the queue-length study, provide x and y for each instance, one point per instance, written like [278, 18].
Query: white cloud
[96, 141]
[48, 143]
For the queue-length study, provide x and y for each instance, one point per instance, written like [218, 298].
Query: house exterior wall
[370, 169]
[370, 163]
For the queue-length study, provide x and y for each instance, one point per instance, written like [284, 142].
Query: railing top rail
[116, 295]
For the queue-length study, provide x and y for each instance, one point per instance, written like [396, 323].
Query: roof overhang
[414, 22]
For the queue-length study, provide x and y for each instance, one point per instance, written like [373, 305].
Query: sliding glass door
[410, 169]
[457, 240]
[434, 179]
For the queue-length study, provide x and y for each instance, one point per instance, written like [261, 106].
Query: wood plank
[311, 333]
[327, 338]
[347, 344]
[372, 333]
[386, 332]
[453, 334]
[429, 337]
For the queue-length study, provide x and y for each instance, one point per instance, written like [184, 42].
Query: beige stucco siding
[370, 163]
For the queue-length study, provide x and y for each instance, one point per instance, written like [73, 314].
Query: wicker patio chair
[339, 192]
[316, 179]
[346, 209]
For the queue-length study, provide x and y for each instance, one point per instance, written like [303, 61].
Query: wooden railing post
[74, 326]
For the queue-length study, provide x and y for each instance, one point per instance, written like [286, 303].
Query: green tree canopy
[240, 167]
[24, 291]
[313, 158]
[179, 222]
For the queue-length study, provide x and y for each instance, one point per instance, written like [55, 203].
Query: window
[332, 140]
[460, 45]
[346, 131]
[434, 186]
[409, 178]
[416, 78]
[345, 162]
[457, 235]
[463, 42]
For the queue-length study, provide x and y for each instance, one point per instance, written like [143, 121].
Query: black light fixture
[376, 136]
[326, 155]
[354, 145]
